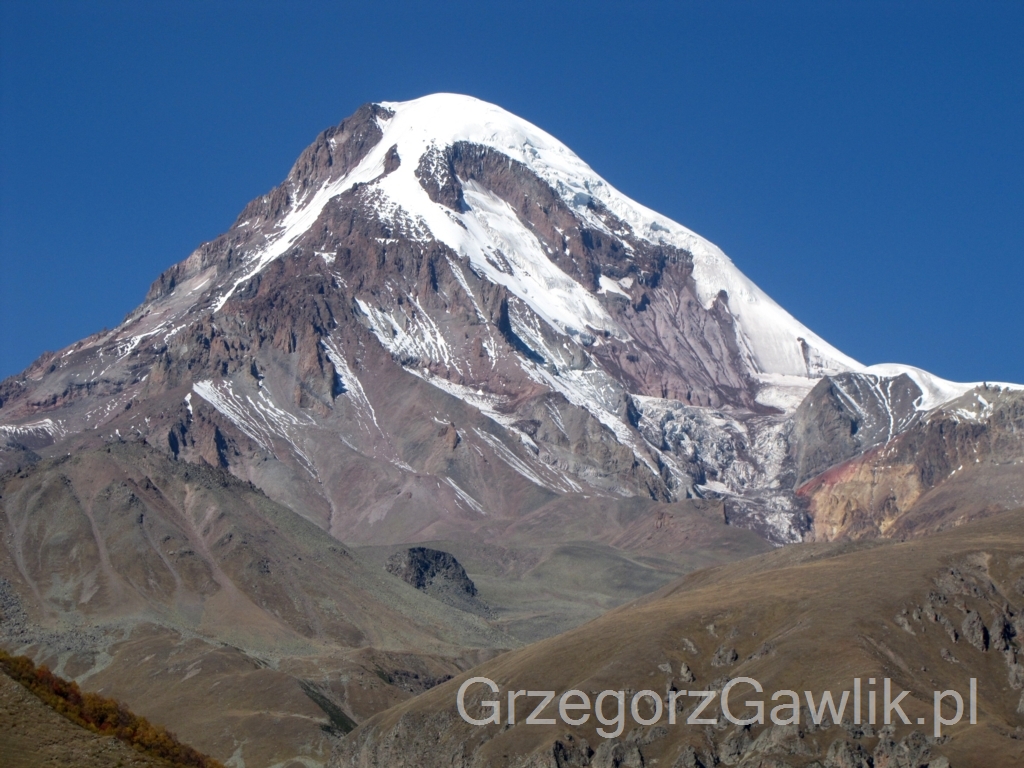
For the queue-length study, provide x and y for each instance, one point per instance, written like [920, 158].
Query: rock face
[951, 464]
[438, 574]
[845, 415]
[430, 568]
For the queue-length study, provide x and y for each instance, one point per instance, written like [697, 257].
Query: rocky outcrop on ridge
[438, 574]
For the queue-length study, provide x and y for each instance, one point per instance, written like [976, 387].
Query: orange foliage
[101, 714]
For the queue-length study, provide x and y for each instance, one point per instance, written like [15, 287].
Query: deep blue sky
[863, 162]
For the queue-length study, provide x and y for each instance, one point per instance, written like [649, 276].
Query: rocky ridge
[438, 574]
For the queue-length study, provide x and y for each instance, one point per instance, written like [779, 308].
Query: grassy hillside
[928, 614]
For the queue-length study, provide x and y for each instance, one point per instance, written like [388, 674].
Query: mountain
[443, 303]
[443, 331]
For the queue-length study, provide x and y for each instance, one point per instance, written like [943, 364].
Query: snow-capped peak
[498, 245]
[772, 335]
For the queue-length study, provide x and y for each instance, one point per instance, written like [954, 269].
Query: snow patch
[46, 427]
[613, 286]
[260, 419]
[937, 392]
[783, 391]
[473, 503]
[414, 336]
[350, 381]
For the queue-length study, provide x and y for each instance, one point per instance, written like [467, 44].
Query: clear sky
[863, 162]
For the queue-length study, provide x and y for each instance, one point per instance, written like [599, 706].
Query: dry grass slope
[929, 614]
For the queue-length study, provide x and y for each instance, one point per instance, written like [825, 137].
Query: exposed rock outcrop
[438, 574]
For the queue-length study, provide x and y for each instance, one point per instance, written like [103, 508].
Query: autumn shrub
[102, 714]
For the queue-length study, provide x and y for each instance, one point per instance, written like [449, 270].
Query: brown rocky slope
[201, 603]
[252, 633]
